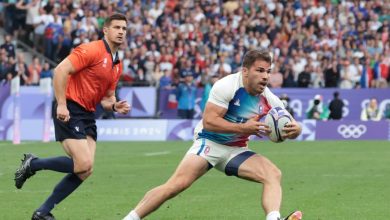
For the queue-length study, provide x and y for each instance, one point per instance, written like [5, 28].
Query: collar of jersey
[116, 61]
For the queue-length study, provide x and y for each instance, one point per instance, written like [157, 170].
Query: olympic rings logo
[351, 131]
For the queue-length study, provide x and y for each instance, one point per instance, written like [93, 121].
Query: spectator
[386, 114]
[331, 73]
[64, 46]
[140, 78]
[276, 78]
[336, 107]
[46, 71]
[206, 91]
[8, 46]
[166, 80]
[227, 47]
[222, 64]
[154, 13]
[348, 75]
[32, 11]
[317, 78]
[304, 77]
[316, 109]
[371, 111]
[288, 76]
[34, 69]
[19, 68]
[156, 75]
[4, 65]
[154, 51]
[286, 102]
[50, 5]
[325, 35]
[19, 18]
[187, 69]
[186, 94]
[236, 63]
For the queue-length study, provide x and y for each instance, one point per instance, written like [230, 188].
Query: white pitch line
[21, 143]
[351, 175]
[27, 191]
[157, 153]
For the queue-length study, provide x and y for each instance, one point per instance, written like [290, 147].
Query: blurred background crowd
[316, 44]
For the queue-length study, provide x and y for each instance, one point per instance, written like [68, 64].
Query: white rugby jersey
[229, 93]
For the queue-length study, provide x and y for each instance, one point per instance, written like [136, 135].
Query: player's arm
[60, 80]
[292, 129]
[213, 121]
[109, 103]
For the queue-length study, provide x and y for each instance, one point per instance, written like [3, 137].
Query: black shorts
[80, 124]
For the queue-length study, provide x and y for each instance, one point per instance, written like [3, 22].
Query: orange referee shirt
[95, 73]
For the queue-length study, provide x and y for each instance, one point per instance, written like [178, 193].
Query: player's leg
[202, 156]
[191, 168]
[260, 169]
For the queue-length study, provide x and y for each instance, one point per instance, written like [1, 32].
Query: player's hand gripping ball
[276, 119]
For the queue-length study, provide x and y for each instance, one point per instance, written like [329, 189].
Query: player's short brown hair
[253, 55]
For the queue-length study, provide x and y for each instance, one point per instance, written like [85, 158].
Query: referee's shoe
[24, 172]
[40, 216]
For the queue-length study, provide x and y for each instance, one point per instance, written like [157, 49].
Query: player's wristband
[113, 107]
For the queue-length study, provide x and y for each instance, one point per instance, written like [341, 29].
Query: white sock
[274, 215]
[132, 216]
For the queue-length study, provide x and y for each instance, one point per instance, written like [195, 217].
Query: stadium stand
[333, 43]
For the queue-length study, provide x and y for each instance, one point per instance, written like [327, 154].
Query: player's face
[116, 32]
[257, 76]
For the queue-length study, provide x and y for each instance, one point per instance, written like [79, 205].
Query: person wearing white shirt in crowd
[371, 111]
[154, 12]
[349, 75]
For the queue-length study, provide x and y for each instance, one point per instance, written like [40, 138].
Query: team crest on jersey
[260, 108]
[206, 150]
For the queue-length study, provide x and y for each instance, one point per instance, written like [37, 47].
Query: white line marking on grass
[157, 153]
[29, 142]
[25, 191]
[351, 175]
[21, 143]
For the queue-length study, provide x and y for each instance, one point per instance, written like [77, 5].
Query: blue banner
[32, 102]
[300, 100]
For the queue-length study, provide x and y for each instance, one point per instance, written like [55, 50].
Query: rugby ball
[276, 119]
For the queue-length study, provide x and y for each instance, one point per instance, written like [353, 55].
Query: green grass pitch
[326, 180]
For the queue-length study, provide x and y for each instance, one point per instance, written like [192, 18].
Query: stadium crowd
[316, 44]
